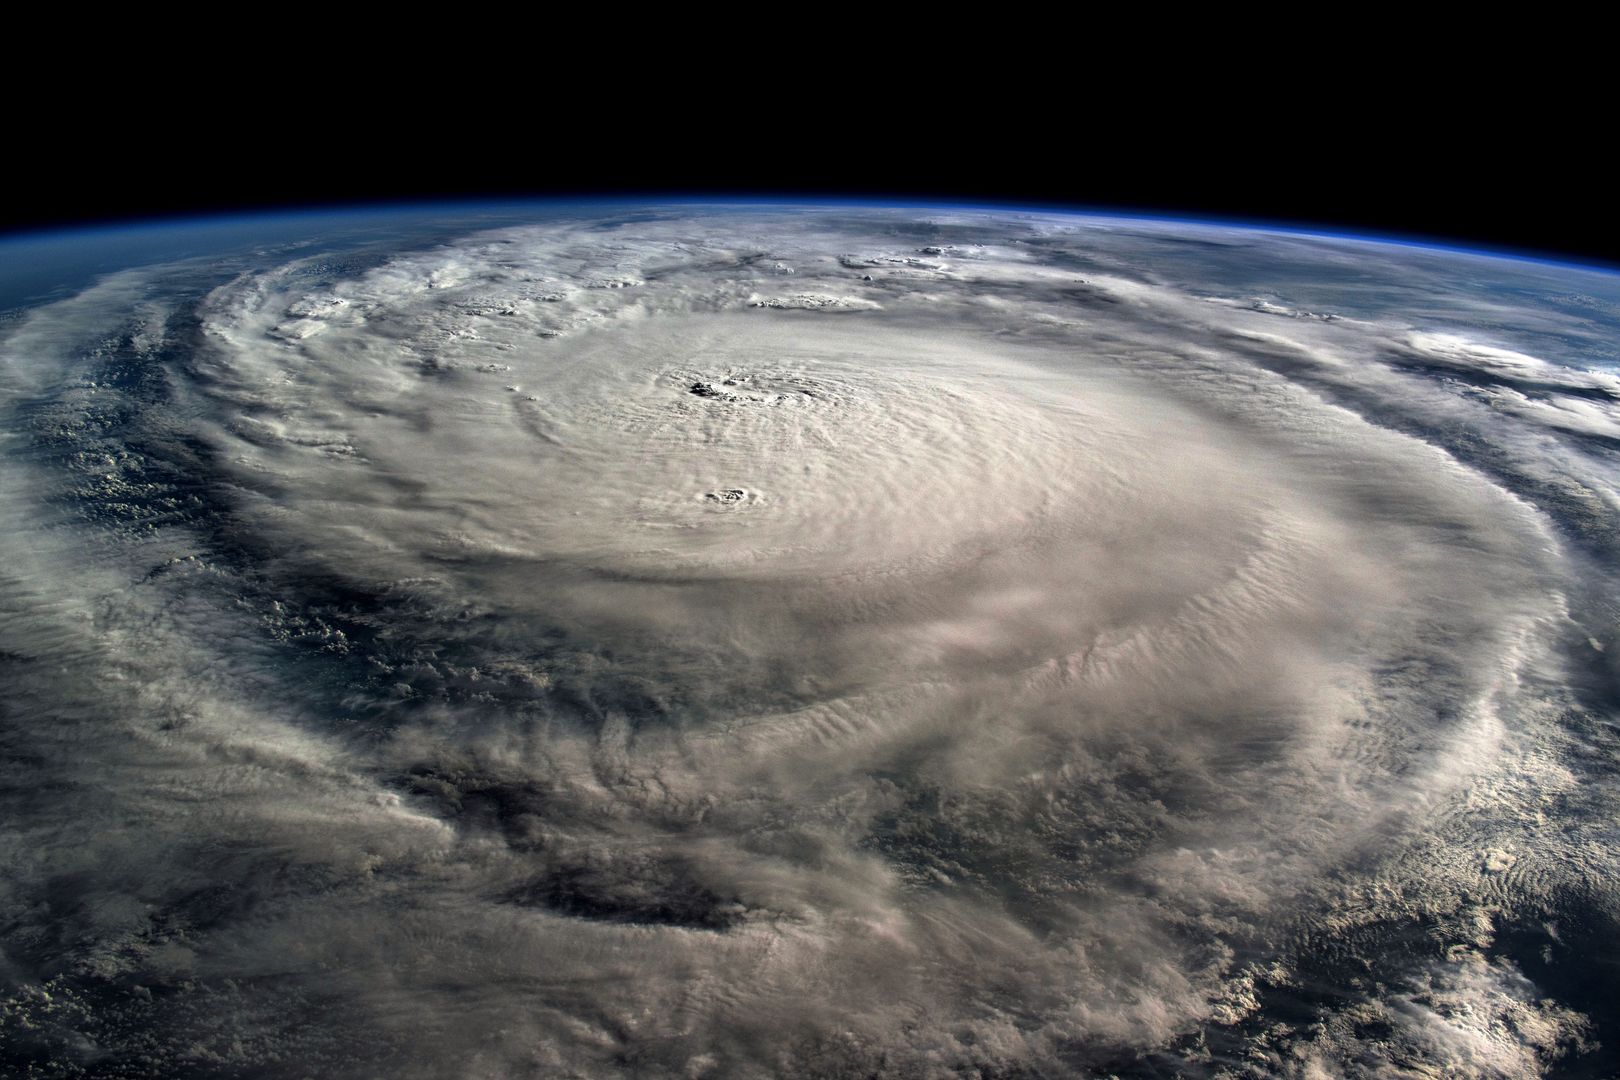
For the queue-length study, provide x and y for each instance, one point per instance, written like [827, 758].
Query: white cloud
[1080, 655]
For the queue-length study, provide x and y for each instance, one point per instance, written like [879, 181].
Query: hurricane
[691, 640]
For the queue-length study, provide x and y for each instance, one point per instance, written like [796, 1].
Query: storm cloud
[748, 642]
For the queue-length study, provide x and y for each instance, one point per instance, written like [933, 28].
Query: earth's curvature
[700, 641]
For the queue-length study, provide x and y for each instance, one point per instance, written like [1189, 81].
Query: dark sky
[1462, 170]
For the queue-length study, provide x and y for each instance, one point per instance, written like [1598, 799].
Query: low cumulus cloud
[758, 643]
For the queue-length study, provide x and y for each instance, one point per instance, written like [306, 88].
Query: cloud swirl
[762, 642]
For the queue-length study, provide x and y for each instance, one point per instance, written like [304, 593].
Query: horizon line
[472, 203]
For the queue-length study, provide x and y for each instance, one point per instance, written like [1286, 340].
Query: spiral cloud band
[811, 642]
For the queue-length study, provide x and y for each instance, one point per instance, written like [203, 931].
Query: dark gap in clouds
[1330, 976]
[1573, 955]
[664, 893]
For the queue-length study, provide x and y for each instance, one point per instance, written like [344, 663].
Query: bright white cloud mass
[756, 642]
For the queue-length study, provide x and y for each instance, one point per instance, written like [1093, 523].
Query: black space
[1445, 161]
